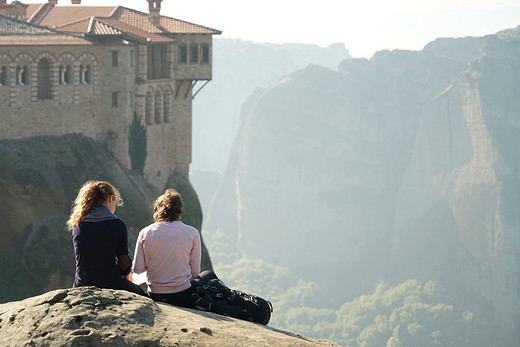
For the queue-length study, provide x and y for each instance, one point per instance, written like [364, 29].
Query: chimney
[154, 6]
[76, 2]
[53, 2]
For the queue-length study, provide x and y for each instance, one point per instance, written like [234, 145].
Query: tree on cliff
[137, 144]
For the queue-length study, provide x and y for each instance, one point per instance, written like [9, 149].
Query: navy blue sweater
[101, 252]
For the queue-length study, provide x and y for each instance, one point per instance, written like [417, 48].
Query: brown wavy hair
[168, 207]
[91, 195]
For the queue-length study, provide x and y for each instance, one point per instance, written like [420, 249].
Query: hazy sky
[364, 26]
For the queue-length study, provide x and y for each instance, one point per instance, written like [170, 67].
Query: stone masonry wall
[191, 70]
[74, 107]
[100, 102]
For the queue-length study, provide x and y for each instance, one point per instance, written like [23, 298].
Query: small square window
[183, 54]
[114, 58]
[194, 56]
[205, 54]
[114, 99]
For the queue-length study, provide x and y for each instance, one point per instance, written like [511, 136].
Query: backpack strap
[206, 303]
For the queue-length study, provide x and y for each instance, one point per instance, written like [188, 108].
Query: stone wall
[96, 89]
[75, 106]
[192, 70]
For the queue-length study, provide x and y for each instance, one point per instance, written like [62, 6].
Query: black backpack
[211, 294]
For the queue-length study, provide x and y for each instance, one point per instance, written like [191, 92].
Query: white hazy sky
[364, 26]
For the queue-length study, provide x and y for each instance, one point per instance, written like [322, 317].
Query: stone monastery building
[90, 69]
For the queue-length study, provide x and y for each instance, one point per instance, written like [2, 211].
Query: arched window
[22, 73]
[87, 75]
[3, 76]
[158, 108]
[84, 74]
[67, 74]
[62, 77]
[149, 108]
[44, 81]
[64, 74]
[167, 107]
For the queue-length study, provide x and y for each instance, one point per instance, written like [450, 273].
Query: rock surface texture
[242, 67]
[89, 316]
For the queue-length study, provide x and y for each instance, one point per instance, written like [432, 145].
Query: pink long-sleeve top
[169, 253]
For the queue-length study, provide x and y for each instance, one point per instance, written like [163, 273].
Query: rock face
[402, 166]
[239, 67]
[312, 180]
[39, 178]
[89, 316]
[458, 204]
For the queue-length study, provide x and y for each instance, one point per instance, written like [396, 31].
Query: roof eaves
[136, 32]
[203, 28]
[23, 24]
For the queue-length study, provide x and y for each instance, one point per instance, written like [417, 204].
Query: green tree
[137, 144]
[409, 314]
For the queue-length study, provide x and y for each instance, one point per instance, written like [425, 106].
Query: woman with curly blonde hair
[169, 251]
[100, 239]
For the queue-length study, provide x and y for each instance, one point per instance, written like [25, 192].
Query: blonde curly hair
[168, 207]
[91, 195]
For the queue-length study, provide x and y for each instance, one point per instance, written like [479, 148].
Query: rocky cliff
[239, 67]
[459, 198]
[39, 179]
[312, 180]
[89, 316]
[401, 166]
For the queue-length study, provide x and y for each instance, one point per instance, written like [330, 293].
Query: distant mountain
[239, 67]
[402, 166]
[509, 34]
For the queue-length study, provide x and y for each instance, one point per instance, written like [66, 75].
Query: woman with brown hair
[100, 239]
[169, 251]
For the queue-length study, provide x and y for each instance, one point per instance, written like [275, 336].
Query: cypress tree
[137, 144]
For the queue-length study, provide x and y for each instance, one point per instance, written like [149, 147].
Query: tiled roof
[15, 32]
[178, 26]
[108, 20]
[61, 15]
[100, 28]
[167, 24]
[36, 12]
[33, 8]
[132, 31]
[136, 19]
[91, 21]
[78, 27]
[10, 26]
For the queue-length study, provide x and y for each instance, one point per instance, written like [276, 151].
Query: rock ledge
[89, 316]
